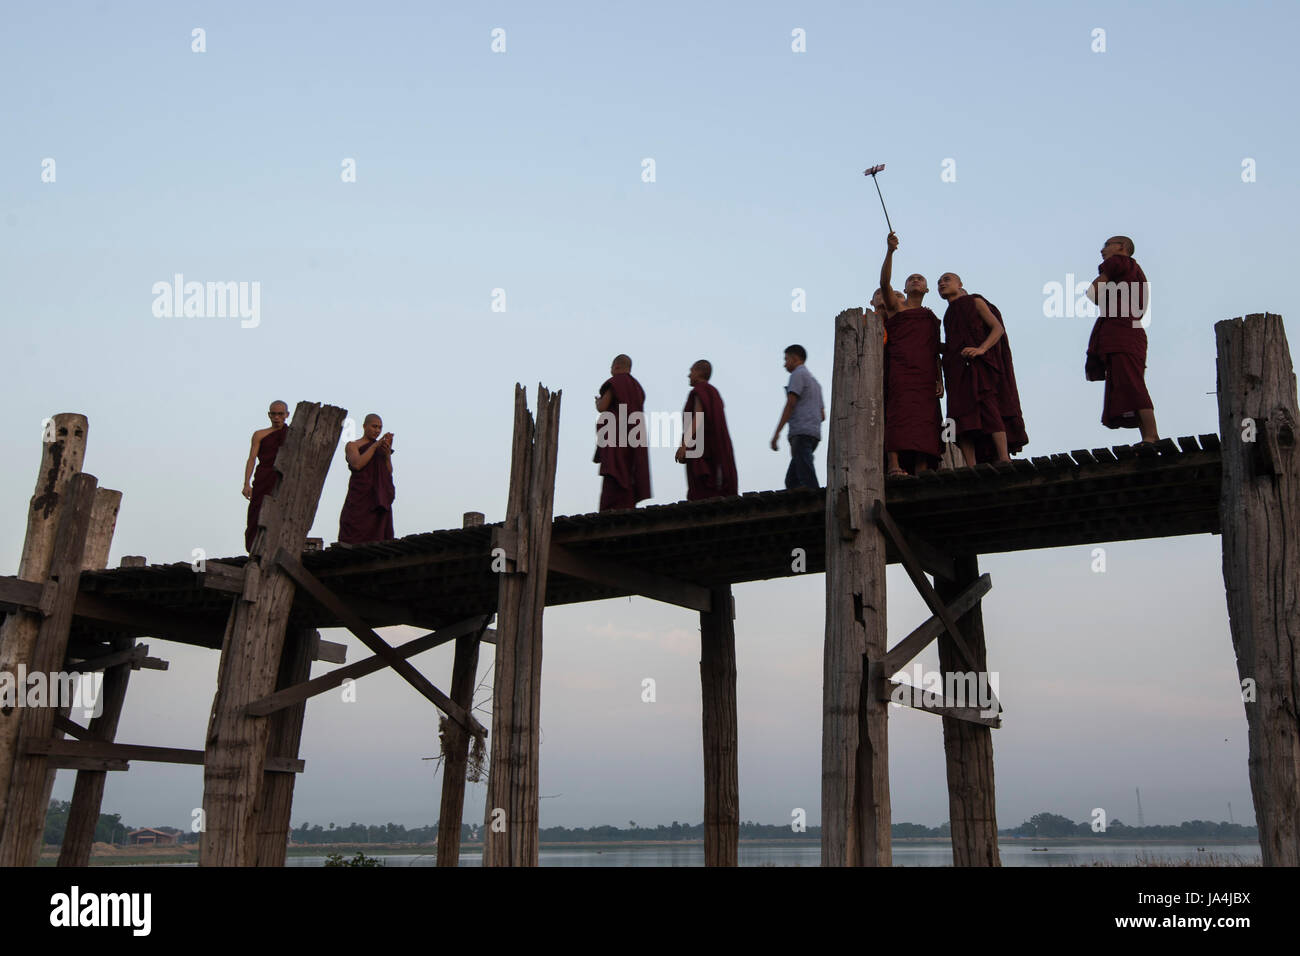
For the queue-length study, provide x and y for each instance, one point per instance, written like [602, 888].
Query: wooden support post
[88, 789]
[63, 449]
[968, 746]
[234, 765]
[455, 742]
[510, 816]
[286, 735]
[24, 821]
[855, 743]
[718, 689]
[1259, 507]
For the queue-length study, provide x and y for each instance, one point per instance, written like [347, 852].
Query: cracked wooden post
[455, 740]
[1259, 509]
[718, 690]
[967, 746]
[88, 788]
[276, 801]
[855, 743]
[510, 818]
[234, 762]
[63, 449]
[24, 822]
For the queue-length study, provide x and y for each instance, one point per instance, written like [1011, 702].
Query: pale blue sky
[522, 171]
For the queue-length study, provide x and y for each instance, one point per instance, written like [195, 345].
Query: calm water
[905, 854]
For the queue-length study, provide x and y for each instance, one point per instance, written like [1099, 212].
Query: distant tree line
[111, 829]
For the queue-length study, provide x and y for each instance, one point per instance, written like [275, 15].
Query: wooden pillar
[510, 818]
[24, 822]
[456, 740]
[721, 774]
[1259, 510]
[63, 449]
[88, 788]
[273, 812]
[234, 762]
[967, 746]
[855, 743]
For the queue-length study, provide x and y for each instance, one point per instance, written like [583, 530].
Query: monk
[706, 444]
[621, 444]
[983, 399]
[266, 442]
[368, 509]
[1117, 348]
[913, 374]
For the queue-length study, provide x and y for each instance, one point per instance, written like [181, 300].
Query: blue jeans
[802, 473]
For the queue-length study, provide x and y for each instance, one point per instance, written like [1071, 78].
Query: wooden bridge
[264, 610]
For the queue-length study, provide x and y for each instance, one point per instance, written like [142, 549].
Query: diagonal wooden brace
[917, 574]
[325, 682]
[328, 600]
[920, 639]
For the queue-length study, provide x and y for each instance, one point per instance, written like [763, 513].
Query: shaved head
[703, 369]
[372, 417]
[280, 405]
[951, 275]
[621, 363]
[1125, 241]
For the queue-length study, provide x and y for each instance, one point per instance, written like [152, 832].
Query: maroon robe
[368, 509]
[912, 418]
[1117, 348]
[713, 473]
[264, 479]
[982, 393]
[626, 468]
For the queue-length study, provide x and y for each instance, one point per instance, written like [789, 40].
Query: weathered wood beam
[235, 760]
[718, 723]
[328, 681]
[855, 740]
[58, 747]
[84, 765]
[63, 449]
[276, 798]
[920, 639]
[510, 813]
[968, 747]
[629, 579]
[71, 727]
[455, 742]
[229, 579]
[24, 819]
[136, 656]
[385, 651]
[1260, 510]
[917, 574]
[928, 701]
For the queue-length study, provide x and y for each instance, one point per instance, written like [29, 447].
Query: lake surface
[809, 854]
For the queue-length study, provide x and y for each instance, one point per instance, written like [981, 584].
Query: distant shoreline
[105, 855]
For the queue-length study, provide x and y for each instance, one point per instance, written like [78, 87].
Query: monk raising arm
[383, 446]
[888, 299]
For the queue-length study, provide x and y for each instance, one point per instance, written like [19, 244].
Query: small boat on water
[1038, 849]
